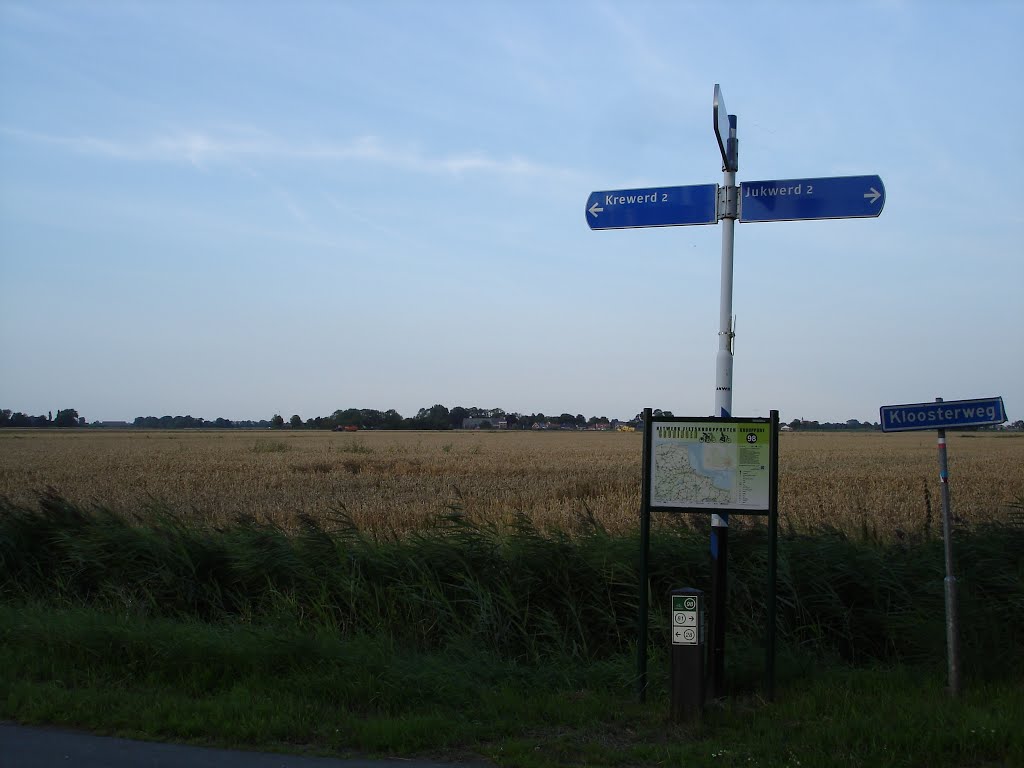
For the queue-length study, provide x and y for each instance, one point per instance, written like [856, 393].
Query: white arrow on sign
[594, 210]
[874, 194]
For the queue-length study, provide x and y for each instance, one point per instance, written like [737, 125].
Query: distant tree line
[829, 426]
[65, 418]
[435, 417]
[191, 422]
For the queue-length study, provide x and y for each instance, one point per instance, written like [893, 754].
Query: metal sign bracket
[728, 202]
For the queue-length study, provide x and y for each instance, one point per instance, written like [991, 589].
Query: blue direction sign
[947, 414]
[653, 207]
[838, 197]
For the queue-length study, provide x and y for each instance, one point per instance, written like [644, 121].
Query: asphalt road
[44, 747]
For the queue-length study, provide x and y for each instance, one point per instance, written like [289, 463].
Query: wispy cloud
[203, 150]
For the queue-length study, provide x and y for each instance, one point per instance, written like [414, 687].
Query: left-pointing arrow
[595, 209]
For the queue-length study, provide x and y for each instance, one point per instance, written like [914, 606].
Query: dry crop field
[394, 482]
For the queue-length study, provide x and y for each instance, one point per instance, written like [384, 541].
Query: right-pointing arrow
[873, 195]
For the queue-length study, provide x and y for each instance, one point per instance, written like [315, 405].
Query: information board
[711, 464]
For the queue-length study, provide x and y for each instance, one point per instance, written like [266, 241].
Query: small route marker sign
[686, 629]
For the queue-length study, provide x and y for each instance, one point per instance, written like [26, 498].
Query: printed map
[710, 465]
[694, 475]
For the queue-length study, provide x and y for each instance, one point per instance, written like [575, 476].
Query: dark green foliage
[310, 690]
[516, 591]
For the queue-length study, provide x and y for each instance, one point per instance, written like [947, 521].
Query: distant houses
[485, 422]
[502, 422]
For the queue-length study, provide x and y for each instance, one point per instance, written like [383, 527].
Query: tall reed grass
[514, 589]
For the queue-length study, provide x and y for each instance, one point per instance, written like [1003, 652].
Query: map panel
[711, 464]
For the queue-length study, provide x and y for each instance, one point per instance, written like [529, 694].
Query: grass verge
[313, 692]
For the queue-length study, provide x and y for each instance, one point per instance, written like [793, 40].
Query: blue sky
[245, 208]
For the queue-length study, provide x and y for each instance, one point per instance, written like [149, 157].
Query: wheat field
[391, 483]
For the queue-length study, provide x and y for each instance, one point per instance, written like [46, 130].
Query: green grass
[505, 643]
[315, 692]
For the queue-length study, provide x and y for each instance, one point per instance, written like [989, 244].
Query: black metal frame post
[773, 548]
[645, 546]
[719, 590]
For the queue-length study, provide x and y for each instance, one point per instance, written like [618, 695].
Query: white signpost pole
[725, 130]
[723, 367]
